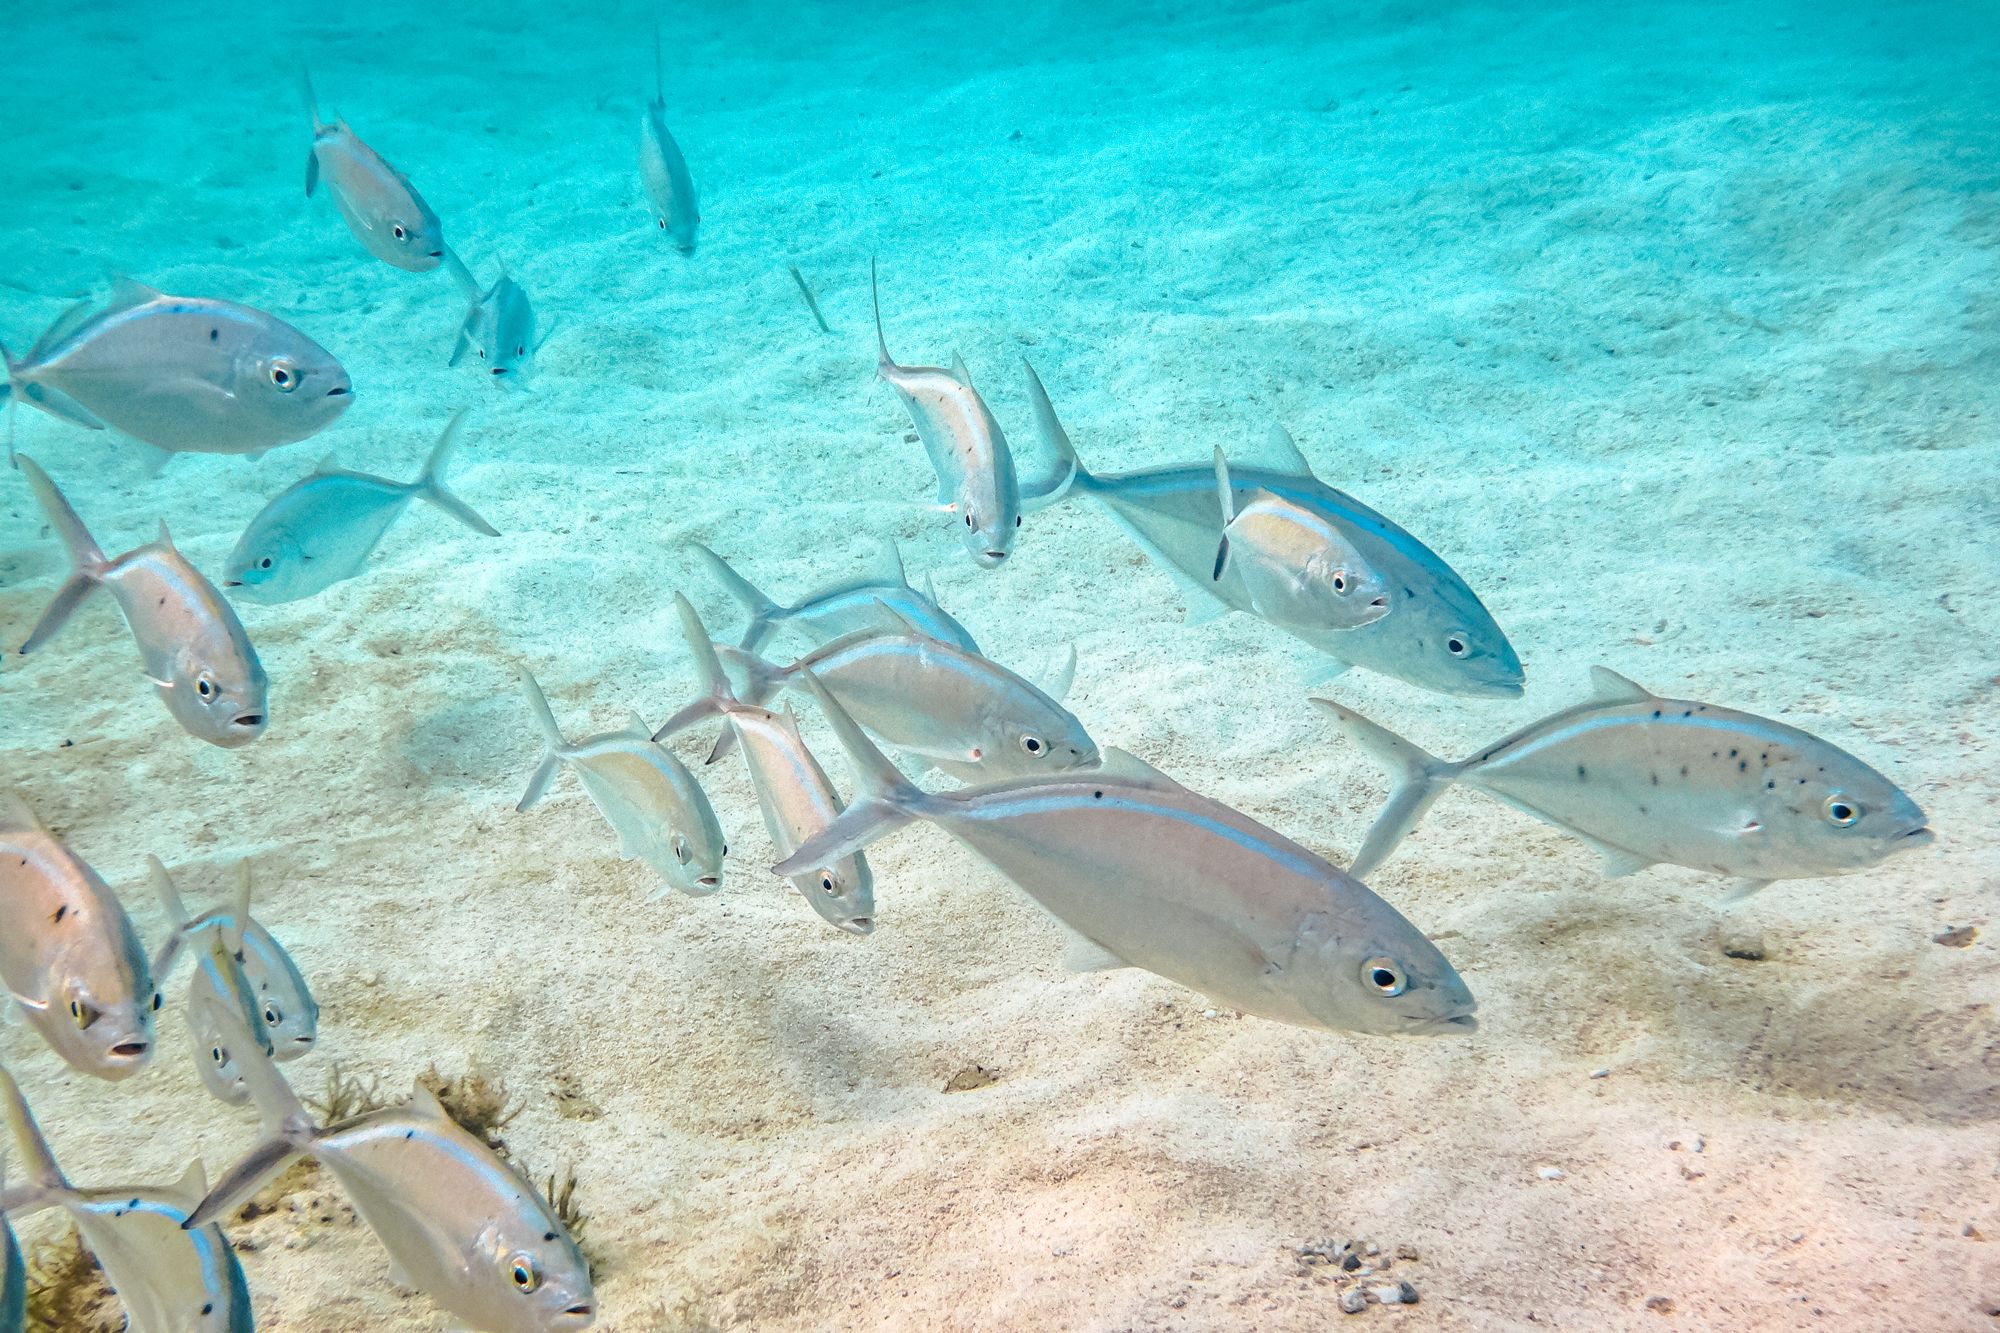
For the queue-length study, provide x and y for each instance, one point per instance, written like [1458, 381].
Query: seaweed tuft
[67, 1292]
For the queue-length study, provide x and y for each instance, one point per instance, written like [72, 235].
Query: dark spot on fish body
[548, 1235]
[1582, 774]
[1742, 765]
[1656, 712]
[1095, 796]
[1655, 778]
[208, 1307]
[214, 334]
[1684, 770]
[61, 912]
[1732, 754]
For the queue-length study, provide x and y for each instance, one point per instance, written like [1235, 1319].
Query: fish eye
[1033, 744]
[217, 1054]
[272, 1017]
[1841, 812]
[522, 350]
[158, 1000]
[725, 849]
[663, 224]
[82, 1013]
[399, 233]
[283, 377]
[1017, 520]
[826, 884]
[482, 354]
[680, 849]
[1340, 583]
[265, 563]
[1455, 646]
[526, 1276]
[1383, 976]
[968, 518]
[205, 687]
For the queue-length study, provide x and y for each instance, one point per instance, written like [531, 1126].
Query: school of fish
[1140, 871]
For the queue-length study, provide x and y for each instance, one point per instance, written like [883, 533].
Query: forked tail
[1417, 780]
[87, 562]
[884, 800]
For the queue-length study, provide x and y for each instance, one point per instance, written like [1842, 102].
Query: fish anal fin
[1608, 687]
[1617, 861]
[1204, 610]
[1741, 889]
[1082, 954]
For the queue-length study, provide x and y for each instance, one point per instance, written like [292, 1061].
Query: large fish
[1296, 567]
[1436, 634]
[378, 203]
[322, 530]
[662, 169]
[170, 1275]
[282, 999]
[793, 791]
[880, 599]
[1151, 875]
[660, 813]
[193, 648]
[13, 1272]
[1646, 780]
[976, 480]
[499, 327]
[460, 1225]
[967, 716]
[68, 953]
[189, 374]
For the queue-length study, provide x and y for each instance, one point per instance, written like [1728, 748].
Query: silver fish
[219, 992]
[378, 203]
[1296, 567]
[68, 953]
[323, 529]
[499, 326]
[967, 716]
[1151, 875]
[13, 1272]
[283, 1000]
[190, 374]
[976, 479]
[793, 791]
[171, 1276]
[1437, 635]
[194, 650]
[662, 169]
[660, 813]
[1646, 780]
[460, 1225]
[879, 599]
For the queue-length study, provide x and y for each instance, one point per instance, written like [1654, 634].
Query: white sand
[1672, 330]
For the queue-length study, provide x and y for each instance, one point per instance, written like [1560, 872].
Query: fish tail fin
[1070, 471]
[87, 562]
[431, 485]
[46, 1185]
[716, 698]
[1419, 778]
[552, 741]
[1042, 493]
[659, 68]
[884, 800]
[1226, 495]
[763, 611]
[310, 99]
[289, 1128]
[883, 360]
[462, 275]
[178, 917]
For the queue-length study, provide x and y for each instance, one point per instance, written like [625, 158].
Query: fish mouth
[339, 391]
[990, 558]
[232, 583]
[710, 881]
[1451, 1026]
[131, 1051]
[1909, 839]
[859, 925]
[250, 722]
[499, 370]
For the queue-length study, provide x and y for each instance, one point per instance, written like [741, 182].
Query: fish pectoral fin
[1321, 672]
[1739, 890]
[312, 172]
[1618, 864]
[28, 1003]
[1204, 610]
[1083, 954]
[398, 1277]
[156, 682]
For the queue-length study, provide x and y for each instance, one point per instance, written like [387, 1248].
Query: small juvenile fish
[189, 374]
[284, 1002]
[171, 1277]
[793, 791]
[499, 325]
[220, 991]
[879, 599]
[1437, 635]
[322, 530]
[662, 168]
[976, 479]
[1296, 567]
[660, 813]
[13, 1272]
[1646, 780]
[461, 1225]
[68, 953]
[194, 650]
[968, 717]
[378, 203]
[1148, 874]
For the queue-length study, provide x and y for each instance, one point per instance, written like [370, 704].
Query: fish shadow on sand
[477, 745]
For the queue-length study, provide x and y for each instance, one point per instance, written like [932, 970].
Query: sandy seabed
[1671, 326]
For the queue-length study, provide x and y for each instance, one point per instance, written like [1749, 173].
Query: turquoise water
[1669, 328]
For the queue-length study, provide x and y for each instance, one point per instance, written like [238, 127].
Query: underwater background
[1672, 327]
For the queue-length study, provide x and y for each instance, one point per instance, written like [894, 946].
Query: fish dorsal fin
[326, 464]
[930, 589]
[16, 817]
[129, 292]
[68, 322]
[166, 538]
[1061, 676]
[1280, 453]
[245, 886]
[959, 372]
[636, 723]
[1225, 494]
[1608, 687]
[910, 627]
[886, 568]
[425, 1103]
[1124, 764]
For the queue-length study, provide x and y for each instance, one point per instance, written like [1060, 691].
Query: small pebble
[1374, 1250]
[1353, 1301]
[1387, 1295]
[1550, 1173]
[1660, 1305]
[1406, 1293]
[1406, 1252]
[1208, 1013]
[1351, 1262]
[1959, 938]
[1600, 1073]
